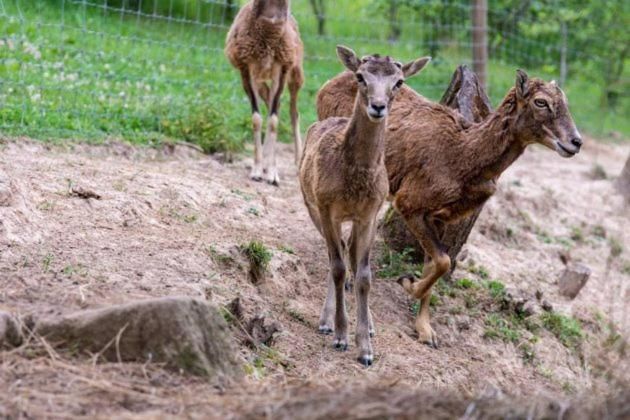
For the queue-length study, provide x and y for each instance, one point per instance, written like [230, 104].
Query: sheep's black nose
[378, 108]
[576, 141]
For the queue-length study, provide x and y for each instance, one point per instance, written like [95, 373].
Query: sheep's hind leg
[426, 234]
[257, 121]
[270, 168]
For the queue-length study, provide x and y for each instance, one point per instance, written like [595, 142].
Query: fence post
[480, 40]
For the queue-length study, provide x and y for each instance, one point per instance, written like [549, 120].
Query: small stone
[10, 334]
[573, 279]
[463, 324]
[530, 308]
[515, 300]
[547, 306]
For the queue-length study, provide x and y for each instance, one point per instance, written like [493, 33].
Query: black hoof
[372, 334]
[348, 286]
[407, 276]
[275, 183]
[366, 360]
[325, 330]
[340, 346]
[256, 178]
[433, 344]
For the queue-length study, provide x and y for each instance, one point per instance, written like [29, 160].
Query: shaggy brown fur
[264, 45]
[441, 168]
[343, 178]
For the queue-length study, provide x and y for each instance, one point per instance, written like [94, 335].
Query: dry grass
[172, 224]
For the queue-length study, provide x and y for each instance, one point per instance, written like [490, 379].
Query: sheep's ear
[522, 88]
[348, 58]
[415, 66]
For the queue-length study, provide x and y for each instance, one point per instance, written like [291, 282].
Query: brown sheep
[441, 168]
[343, 179]
[264, 45]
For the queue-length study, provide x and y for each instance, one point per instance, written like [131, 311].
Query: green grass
[496, 289]
[394, 264]
[258, 254]
[89, 73]
[566, 329]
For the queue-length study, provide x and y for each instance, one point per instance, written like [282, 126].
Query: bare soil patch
[173, 222]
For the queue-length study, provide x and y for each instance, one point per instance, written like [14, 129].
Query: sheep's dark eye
[540, 103]
[360, 78]
[399, 84]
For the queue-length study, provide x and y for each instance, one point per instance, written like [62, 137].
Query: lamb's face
[546, 118]
[379, 80]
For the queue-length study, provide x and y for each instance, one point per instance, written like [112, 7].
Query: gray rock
[573, 279]
[10, 332]
[184, 333]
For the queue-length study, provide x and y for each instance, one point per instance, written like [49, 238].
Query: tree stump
[467, 96]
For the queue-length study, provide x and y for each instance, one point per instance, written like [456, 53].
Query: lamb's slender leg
[332, 234]
[425, 232]
[326, 319]
[270, 166]
[297, 78]
[352, 251]
[252, 94]
[363, 235]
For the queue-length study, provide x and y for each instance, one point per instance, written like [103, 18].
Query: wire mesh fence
[149, 69]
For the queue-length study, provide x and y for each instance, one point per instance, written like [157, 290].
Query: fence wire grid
[148, 69]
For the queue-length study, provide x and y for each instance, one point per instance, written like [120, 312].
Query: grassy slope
[83, 71]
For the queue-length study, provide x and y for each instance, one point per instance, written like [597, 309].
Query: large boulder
[184, 333]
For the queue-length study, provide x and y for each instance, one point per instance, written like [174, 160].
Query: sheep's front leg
[362, 238]
[269, 153]
[257, 121]
[332, 234]
[326, 317]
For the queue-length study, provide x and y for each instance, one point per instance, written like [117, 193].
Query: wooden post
[480, 40]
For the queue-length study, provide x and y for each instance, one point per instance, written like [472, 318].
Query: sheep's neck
[364, 141]
[494, 143]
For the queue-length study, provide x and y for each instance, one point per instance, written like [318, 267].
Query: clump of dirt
[175, 223]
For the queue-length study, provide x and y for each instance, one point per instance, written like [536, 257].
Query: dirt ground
[170, 222]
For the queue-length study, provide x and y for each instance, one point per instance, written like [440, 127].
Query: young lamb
[343, 179]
